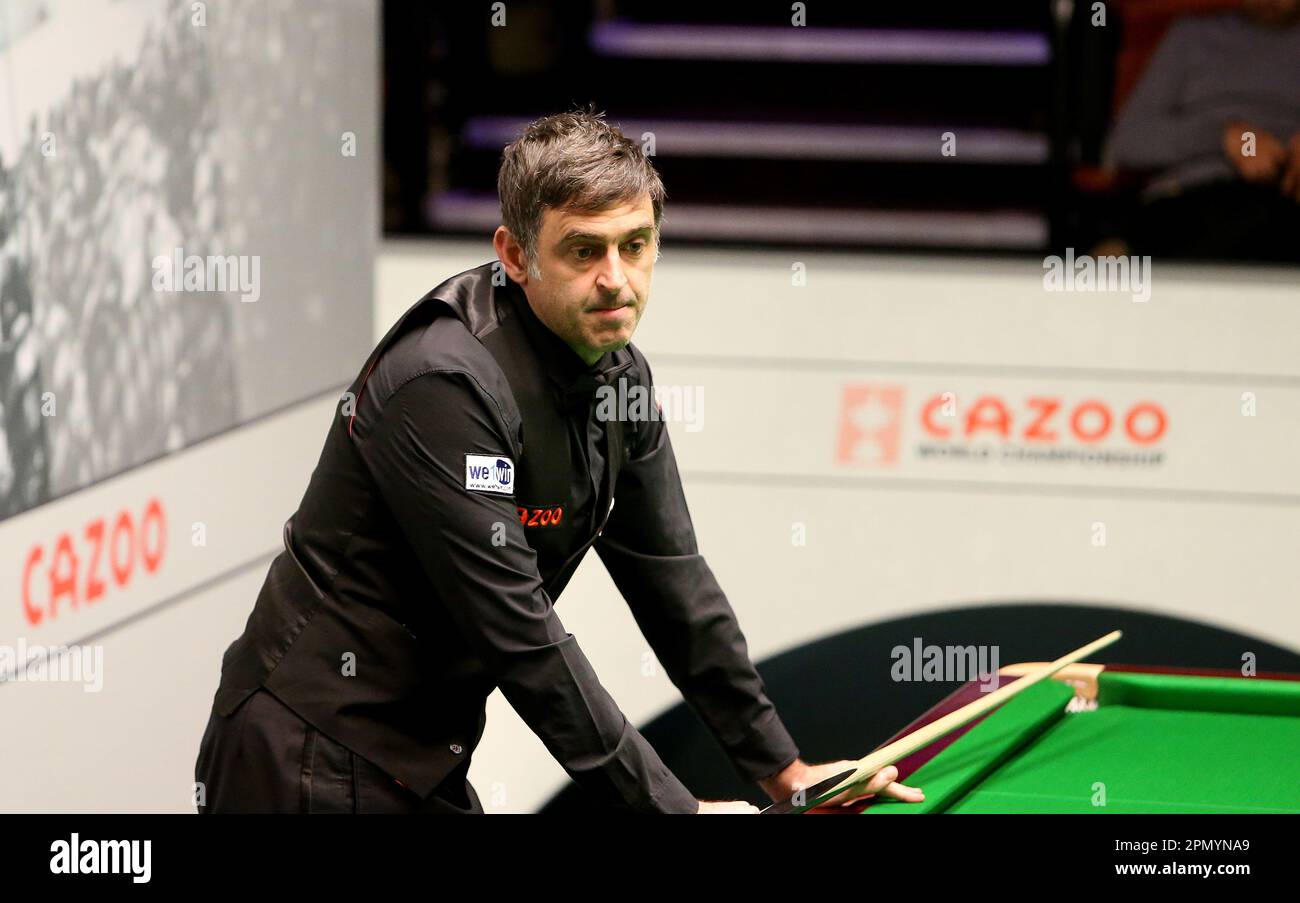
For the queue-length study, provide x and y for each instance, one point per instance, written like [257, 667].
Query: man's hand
[1291, 173]
[1270, 154]
[799, 775]
[726, 807]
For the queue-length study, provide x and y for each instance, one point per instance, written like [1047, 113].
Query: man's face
[595, 268]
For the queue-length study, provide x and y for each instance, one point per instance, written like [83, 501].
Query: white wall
[130, 745]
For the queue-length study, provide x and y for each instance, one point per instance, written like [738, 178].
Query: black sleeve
[649, 549]
[471, 545]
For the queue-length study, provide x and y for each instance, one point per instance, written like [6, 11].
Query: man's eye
[636, 247]
[583, 253]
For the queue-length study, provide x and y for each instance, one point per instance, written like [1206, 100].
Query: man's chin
[615, 346]
[605, 344]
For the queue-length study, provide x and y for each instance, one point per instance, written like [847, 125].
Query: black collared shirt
[453, 501]
[574, 384]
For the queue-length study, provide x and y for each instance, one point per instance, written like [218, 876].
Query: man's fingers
[1291, 178]
[883, 784]
[893, 790]
[879, 781]
[904, 792]
[882, 779]
[726, 807]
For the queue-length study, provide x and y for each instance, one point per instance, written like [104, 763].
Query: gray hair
[572, 160]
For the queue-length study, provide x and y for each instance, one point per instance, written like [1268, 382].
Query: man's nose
[610, 277]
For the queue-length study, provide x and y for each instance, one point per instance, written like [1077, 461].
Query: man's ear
[511, 254]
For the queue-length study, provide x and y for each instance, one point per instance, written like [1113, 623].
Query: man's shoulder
[443, 345]
[440, 334]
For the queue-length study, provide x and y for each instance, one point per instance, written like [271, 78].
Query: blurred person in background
[1215, 123]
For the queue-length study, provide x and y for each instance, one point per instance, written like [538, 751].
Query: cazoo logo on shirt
[985, 426]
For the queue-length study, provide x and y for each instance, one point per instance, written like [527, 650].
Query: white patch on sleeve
[490, 473]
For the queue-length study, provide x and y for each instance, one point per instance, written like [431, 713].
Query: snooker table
[1114, 738]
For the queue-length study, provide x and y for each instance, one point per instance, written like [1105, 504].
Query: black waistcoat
[345, 582]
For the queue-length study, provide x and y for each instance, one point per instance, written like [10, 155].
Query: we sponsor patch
[490, 473]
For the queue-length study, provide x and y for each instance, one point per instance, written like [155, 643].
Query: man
[1215, 121]
[466, 476]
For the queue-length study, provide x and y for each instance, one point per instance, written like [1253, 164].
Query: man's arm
[1153, 130]
[471, 545]
[649, 549]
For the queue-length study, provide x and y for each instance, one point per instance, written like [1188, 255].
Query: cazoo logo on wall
[882, 426]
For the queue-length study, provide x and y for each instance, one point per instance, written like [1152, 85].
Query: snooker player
[468, 471]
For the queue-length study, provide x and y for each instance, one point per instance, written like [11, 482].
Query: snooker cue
[904, 746]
